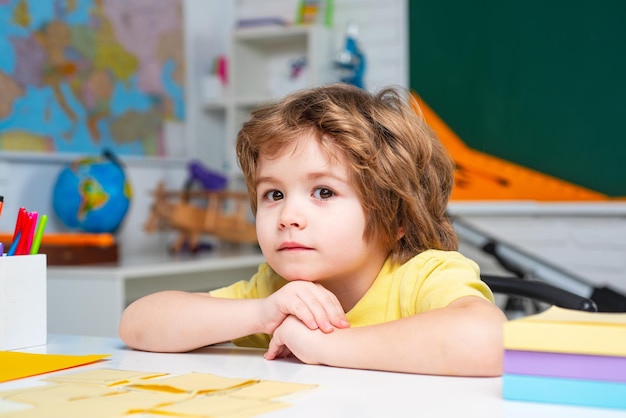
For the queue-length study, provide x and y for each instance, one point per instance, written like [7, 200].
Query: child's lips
[293, 246]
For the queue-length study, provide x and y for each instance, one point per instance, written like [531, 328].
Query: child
[350, 191]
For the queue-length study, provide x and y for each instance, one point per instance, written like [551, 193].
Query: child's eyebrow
[314, 176]
[327, 175]
[264, 179]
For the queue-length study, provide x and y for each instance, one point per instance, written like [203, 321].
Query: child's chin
[296, 278]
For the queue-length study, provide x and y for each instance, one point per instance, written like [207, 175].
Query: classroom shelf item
[23, 301]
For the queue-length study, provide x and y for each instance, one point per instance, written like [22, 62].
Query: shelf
[265, 34]
[144, 266]
[216, 106]
[265, 64]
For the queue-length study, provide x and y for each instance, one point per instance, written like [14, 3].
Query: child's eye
[323, 193]
[273, 195]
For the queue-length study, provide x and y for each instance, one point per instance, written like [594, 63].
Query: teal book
[579, 392]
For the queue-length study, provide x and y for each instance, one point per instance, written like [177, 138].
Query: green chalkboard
[541, 83]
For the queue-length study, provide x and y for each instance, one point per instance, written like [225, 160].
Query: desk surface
[341, 392]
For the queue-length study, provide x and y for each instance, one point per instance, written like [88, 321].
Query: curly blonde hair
[401, 172]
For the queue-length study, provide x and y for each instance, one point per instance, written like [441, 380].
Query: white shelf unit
[89, 300]
[259, 66]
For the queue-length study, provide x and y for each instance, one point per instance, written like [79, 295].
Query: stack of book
[567, 357]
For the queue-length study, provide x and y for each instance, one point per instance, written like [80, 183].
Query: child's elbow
[130, 332]
[490, 356]
[491, 363]
[481, 340]
[127, 333]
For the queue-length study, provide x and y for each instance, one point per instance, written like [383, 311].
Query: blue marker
[14, 244]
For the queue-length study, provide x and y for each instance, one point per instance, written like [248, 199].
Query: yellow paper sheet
[194, 383]
[49, 394]
[219, 406]
[269, 389]
[105, 377]
[17, 365]
[100, 394]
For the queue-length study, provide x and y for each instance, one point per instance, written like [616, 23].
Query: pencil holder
[23, 301]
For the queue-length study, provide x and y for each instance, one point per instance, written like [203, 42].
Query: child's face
[310, 221]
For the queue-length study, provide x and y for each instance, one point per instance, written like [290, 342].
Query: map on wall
[82, 76]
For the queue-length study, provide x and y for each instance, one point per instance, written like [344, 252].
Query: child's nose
[291, 215]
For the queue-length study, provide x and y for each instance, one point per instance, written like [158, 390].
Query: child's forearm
[173, 321]
[464, 339]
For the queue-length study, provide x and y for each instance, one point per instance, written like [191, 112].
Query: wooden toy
[223, 214]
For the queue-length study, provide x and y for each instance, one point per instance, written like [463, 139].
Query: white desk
[89, 300]
[341, 392]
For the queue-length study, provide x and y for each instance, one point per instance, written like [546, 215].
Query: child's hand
[292, 337]
[311, 303]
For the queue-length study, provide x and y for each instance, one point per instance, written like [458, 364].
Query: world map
[82, 76]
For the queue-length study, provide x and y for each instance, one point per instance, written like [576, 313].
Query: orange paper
[16, 365]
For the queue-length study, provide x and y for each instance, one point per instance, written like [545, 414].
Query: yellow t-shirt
[430, 280]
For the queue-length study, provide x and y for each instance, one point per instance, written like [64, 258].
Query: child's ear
[400, 233]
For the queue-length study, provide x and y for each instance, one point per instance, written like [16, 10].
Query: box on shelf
[75, 255]
[23, 301]
[74, 248]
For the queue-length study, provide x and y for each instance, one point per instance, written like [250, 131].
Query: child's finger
[276, 349]
[325, 309]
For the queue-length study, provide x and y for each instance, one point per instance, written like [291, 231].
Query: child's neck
[350, 290]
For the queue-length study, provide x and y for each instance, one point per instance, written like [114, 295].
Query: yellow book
[568, 331]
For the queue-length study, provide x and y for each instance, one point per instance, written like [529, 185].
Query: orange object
[16, 365]
[69, 239]
[480, 176]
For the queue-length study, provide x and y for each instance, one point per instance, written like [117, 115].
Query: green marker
[34, 249]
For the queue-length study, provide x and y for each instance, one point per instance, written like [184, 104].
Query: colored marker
[32, 224]
[21, 213]
[22, 247]
[41, 226]
[1, 204]
[14, 244]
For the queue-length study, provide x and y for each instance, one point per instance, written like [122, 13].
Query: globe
[92, 194]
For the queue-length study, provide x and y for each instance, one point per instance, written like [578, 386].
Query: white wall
[207, 28]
